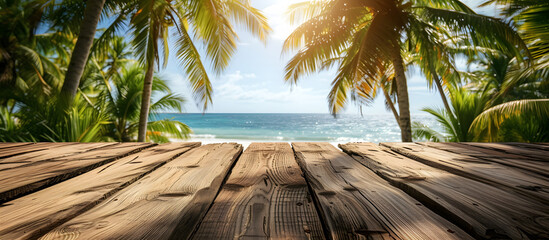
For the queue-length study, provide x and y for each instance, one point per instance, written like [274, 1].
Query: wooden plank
[33, 215]
[4, 145]
[31, 148]
[48, 151]
[168, 202]
[491, 173]
[536, 146]
[265, 197]
[355, 203]
[486, 211]
[506, 148]
[512, 160]
[32, 176]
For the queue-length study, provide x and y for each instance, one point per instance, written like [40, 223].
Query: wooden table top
[302, 190]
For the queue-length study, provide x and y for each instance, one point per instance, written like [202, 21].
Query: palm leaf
[487, 124]
[189, 57]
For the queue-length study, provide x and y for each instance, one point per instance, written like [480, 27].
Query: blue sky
[253, 82]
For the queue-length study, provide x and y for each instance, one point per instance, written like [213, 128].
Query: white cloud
[233, 88]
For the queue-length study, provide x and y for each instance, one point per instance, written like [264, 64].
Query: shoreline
[245, 142]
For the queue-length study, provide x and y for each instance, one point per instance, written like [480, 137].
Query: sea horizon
[245, 128]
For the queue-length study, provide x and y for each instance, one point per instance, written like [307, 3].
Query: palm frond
[488, 123]
[423, 132]
[162, 130]
[197, 75]
[488, 31]
[255, 22]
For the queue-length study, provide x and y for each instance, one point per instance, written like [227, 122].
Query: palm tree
[81, 51]
[122, 105]
[19, 45]
[211, 21]
[532, 21]
[361, 37]
[26, 65]
[476, 114]
[501, 78]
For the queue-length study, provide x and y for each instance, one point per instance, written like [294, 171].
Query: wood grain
[168, 202]
[47, 151]
[15, 149]
[265, 197]
[512, 160]
[357, 204]
[495, 174]
[508, 148]
[4, 145]
[34, 147]
[44, 170]
[33, 215]
[486, 211]
[536, 146]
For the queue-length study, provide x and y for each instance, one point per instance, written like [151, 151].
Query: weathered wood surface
[13, 149]
[508, 148]
[7, 152]
[46, 151]
[357, 204]
[13, 144]
[502, 176]
[56, 165]
[33, 215]
[167, 203]
[513, 160]
[4, 145]
[265, 197]
[536, 146]
[487, 211]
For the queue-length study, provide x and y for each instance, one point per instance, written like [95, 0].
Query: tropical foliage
[512, 96]
[106, 106]
[96, 86]
[63, 77]
[212, 22]
[361, 39]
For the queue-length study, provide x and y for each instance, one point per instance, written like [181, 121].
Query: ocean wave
[260, 138]
[227, 137]
[350, 139]
[275, 138]
[209, 136]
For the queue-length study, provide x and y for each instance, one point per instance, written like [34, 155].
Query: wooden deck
[274, 191]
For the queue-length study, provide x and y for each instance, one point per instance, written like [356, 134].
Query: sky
[254, 79]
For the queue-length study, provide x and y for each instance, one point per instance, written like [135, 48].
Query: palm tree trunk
[438, 83]
[402, 94]
[82, 48]
[145, 103]
[391, 104]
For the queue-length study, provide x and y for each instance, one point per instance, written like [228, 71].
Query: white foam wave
[208, 136]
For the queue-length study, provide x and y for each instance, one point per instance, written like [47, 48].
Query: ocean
[287, 127]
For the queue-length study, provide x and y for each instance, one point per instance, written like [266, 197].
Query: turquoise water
[294, 127]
